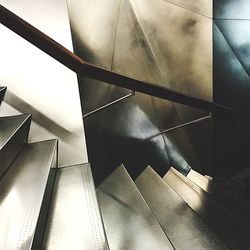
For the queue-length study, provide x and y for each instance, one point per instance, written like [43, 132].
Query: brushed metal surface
[225, 197]
[128, 221]
[180, 223]
[142, 34]
[14, 131]
[180, 40]
[94, 28]
[202, 7]
[21, 195]
[225, 224]
[74, 221]
[2, 93]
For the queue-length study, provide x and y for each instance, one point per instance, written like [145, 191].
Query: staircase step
[21, 194]
[222, 195]
[14, 131]
[2, 93]
[74, 221]
[226, 225]
[128, 220]
[181, 224]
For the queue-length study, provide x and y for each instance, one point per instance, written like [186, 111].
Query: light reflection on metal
[182, 125]
[109, 104]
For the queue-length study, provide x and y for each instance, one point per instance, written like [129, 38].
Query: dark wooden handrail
[79, 66]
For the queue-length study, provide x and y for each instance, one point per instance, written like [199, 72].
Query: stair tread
[128, 221]
[74, 215]
[9, 125]
[222, 195]
[181, 224]
[21, 194]
[228, 227]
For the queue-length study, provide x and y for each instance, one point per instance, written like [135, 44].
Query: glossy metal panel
[22, 190]
[117, 135]
[94, 27]
[182, 226]
[74, 221]
[231, 9]
[36, 80]
[14, 131]
[237, 35]
[231, 230]
[179, 41]
[132, 55]
[231, 88]
[128, 221]
[192, 145]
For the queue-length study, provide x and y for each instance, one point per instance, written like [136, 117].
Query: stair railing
[81, 67]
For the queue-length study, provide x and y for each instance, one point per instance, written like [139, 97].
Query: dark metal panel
[231, 9]
[224, 196]
[237, 35]
[232, 88]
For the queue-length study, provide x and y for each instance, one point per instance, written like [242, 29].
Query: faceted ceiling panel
[237, 34]
[232, 9]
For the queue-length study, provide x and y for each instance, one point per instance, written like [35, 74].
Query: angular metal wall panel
[231, 88]
[117, 35]
[202, 7]
[181, 42]
[94, 27]
[231, 9]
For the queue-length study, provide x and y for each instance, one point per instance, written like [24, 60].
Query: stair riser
[2, 93]
[44, 212]
[14, 146]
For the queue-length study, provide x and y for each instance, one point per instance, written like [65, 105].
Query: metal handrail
[186, 124]
[81, 67]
